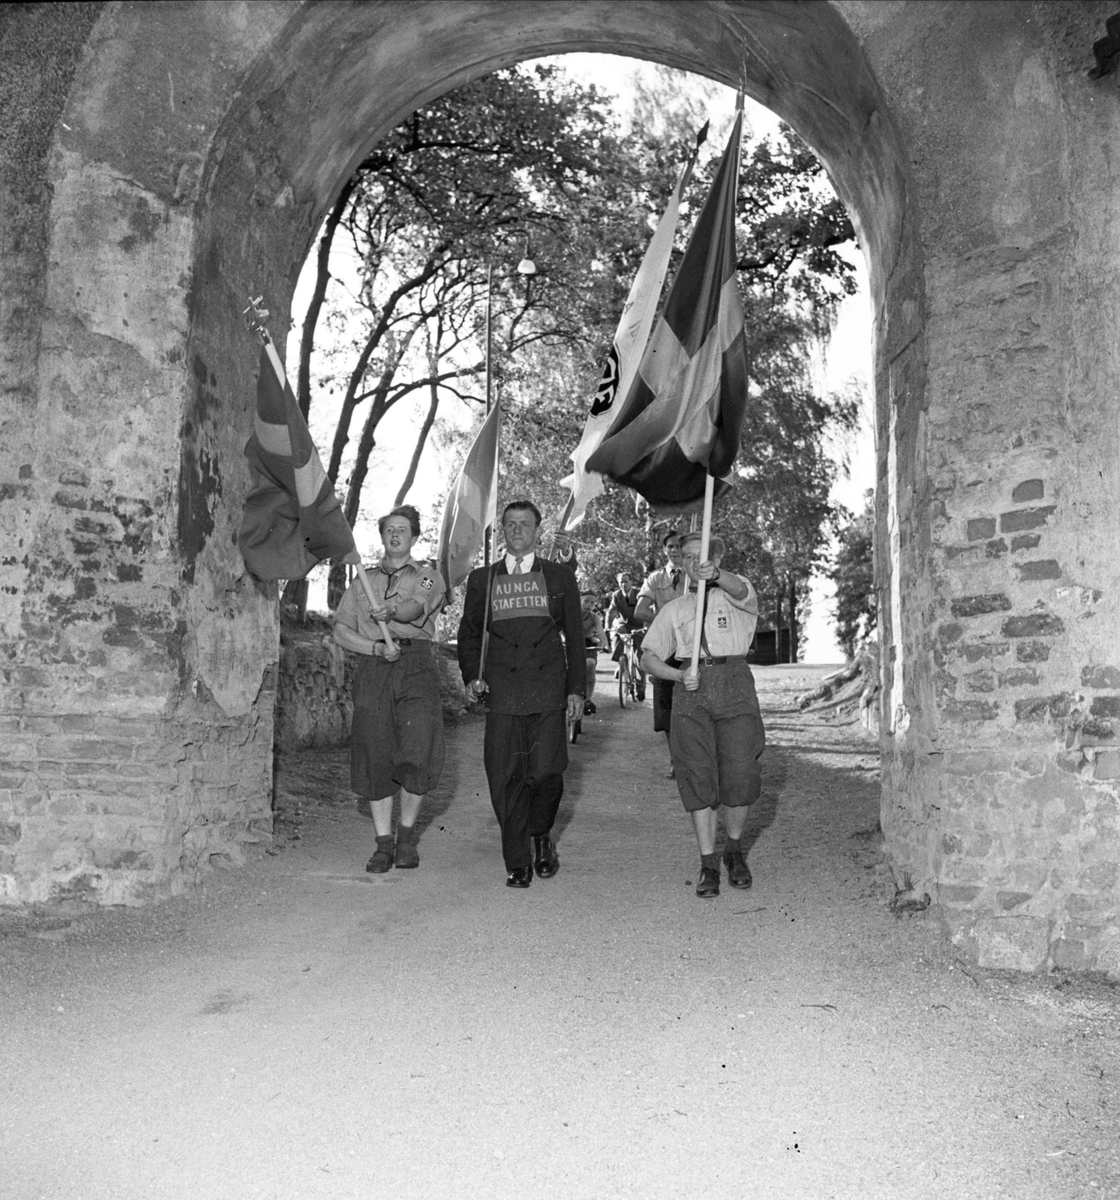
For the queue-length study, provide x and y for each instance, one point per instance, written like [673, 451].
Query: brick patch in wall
[980, 681]
[971, 710]
[980, 528]
[1019, 677]
[976, 606]
[978, 651]
[1107, 765]
[1025, 518]
[1029, 489]
[996, 549]
[1032, 651]
[1062, 704]
[1105, 706]
[1046, 568]
[1025, 541]
[1100, 677]
[949, 632]
[1034, 625]
[1094, 731]
[1069, 954]
[1034, 708]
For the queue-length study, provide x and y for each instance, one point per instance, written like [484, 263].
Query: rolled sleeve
[747, 603]
[660, 638]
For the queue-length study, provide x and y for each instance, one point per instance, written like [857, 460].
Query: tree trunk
[352, 398]
[295, 596]
[336, 583]
[421, 442]
[792, 582]
[322, 278]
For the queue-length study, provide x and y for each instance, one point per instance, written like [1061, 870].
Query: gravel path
[301, 1029]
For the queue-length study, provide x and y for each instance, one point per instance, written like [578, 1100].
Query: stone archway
[193, 151]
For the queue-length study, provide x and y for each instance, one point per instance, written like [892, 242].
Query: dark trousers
[396, 736]
[525, 757]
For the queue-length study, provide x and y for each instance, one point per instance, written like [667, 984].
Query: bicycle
[575, 728]
[631, 680]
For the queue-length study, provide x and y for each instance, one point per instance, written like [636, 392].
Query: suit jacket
[533, 663]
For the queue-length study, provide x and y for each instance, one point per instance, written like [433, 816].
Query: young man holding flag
[521, 642]
[717, 734]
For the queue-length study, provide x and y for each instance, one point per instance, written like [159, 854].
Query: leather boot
[406, 847]
[382, 858]
[545, 859]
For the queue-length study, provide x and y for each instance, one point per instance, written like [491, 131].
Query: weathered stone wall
[313, 705]
[136, 734]
[178, 157]
[1000, 687]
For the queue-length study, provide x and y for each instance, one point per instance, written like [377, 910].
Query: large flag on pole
[625, 354]
[682, 416]
[471, 505]
[292, 519]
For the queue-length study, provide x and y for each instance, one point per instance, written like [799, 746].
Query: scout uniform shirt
[660, 588]
[418, 581]
[728, 627]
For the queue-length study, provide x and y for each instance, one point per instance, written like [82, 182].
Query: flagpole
[489, 538]
[701, 586]
[709, 487]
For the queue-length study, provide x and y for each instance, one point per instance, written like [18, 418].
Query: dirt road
[302, 1029]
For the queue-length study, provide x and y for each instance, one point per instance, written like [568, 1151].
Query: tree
[516, 163]
[854, 575]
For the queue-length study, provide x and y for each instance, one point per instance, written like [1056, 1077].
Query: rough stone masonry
[161, 163]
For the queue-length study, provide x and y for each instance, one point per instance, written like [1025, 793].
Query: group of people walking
[521, 645]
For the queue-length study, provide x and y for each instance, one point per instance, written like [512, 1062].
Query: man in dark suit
[521, 641]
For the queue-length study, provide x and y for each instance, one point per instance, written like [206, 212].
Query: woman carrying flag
[396, 737]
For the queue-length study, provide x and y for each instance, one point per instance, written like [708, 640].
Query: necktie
[517, 567]
[675, 579]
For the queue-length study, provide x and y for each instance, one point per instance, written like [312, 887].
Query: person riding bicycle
[622, 620]
[594, 640]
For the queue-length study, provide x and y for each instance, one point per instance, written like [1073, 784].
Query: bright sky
[847, 357]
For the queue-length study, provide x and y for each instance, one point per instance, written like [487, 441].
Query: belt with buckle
[717, 660]
[402, 641]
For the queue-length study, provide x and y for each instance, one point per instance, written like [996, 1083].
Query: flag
[292, 519]
[682, 416]
[625, 354]
[471, 504]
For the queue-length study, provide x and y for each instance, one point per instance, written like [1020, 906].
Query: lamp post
[526, 268]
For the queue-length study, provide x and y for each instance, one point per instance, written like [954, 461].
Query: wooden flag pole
[367, 587]
[701, 586]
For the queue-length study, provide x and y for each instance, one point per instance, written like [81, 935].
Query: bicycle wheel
[633, 683]
[624, 682]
